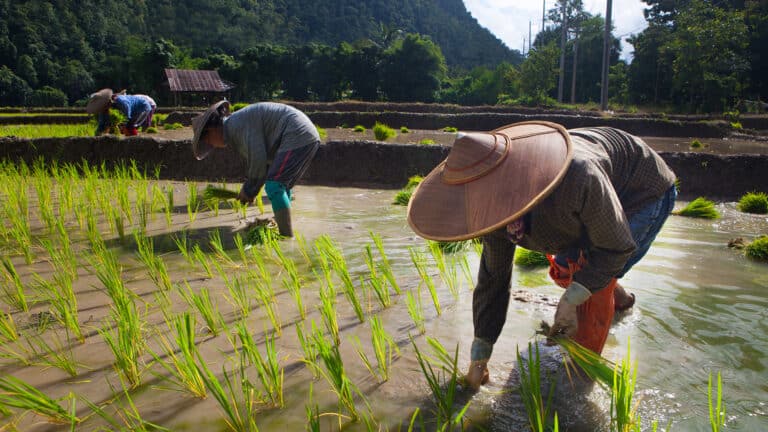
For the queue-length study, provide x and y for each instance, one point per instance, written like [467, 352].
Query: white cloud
[509, 22]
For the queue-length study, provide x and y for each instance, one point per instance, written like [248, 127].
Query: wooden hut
[196, 86]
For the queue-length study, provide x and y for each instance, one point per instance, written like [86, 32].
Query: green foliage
[737, 125]
[172, 126]
[359, 128]
[450, 129]
[758, 249]
[699, 208]
[262, 234]
[47, 97]
[538, 74]
[159, 119]
[151, 130]
[412, 70]
[403, 197]
[322, 132]
[427, 141]
[452, 246]
[529, 258]
[696, 144]
[404, 130]
[383, 132]
[14, 91]
[754, 202]
[239, 105]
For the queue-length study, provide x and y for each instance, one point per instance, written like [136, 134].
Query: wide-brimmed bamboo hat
[490, 179]
[98, 101]
[202, 149]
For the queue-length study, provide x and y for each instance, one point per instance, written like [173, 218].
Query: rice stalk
[202, 259]
[420, 262]
[384, 266]
[212, 193]
[717, 416]
[624, 380]
[266, 296]
[127, 417]
[376, 280]
[308, 347]
[155, 265]
[303, 249]
[335, 373]
[465, 270]
[54, 354]
[328, 312]
[415, 311]
[592, 364]
[441, 356]
[313, 413]
[530, 389]
[443, 392]
[238, 296]
[60, 295]
[237, 398]
[384, 349]
[181, 243]
[8, 330]
[16, 393]
[267, 366]
[447, 273]
[201, 301]
[182, 365]
[214, 239]
[193, 203]
[13, 288]
[699, 208]
[530, 259]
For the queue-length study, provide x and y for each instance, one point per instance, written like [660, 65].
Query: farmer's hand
[477, 374]
[244, 198]
[566, 320]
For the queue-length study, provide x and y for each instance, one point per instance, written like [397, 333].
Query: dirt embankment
[360, 163]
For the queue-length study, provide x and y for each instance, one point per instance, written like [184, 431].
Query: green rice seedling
[261, 273]
[238, 296]
[444, 392]
[214, 240]
[624, 380]
[308, 347]
[383, 132]
[54, 354]
[420, 262]
[404, 129]
[313, 414]
[450, 129]
[335, 257]
[592, 364]
[530, 389]
[43, 187]
[530, 259]
[467, 272]
[127, 417]
[381, 290]
[753, 202]
[267, 298]
[181, 363]
[155, 265]
[293, 286]
[240, 245]
[213, 193]
[335, 373]
[181, 241]
[15, 393]
[123, 199]
[172, 126]
[46, 130]
[699, 208]
[427, 141]
[8, 330]
[62, 300]
[202, 259]
[63, 256]
[717, 416]
[303, 249]
[447, 272]
[236, 396]
[440, 356]
[267, 366]
[403, 196]
[696, 144]
[13, 288]
[451, 246]
[125, 348]
[262, 234]
[193, 203]
[359, 128]
[384, 348]
[758, 249]
[201, 301]
[415, 311]
[328, 312]
[240, 208]
[385, 267]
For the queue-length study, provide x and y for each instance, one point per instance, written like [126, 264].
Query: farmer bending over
[137, 110]
[277, 141]
[594, 198]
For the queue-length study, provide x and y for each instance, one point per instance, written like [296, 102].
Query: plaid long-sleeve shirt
[612, 175]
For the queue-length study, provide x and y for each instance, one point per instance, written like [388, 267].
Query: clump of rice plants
[444, 387]
[182, 365]
[530, 389]
[699, 208]
[15, 393]
[696, 144]
[623, 412]
[403, 197]
[383, 132]
[211, 193]
[427, 141]
[263, 231]
[404, 130]
[451, 246]
[529, 258]
[450, 129]
[151, 130]
[359, 128]
[758, 249]
[239, 105]
[754, 202]
[172, 126]
[322, 132]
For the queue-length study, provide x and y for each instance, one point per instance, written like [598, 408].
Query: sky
[508, 20]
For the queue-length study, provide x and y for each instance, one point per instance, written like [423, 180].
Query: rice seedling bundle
[699, 208]
[758, 249]
[592, 364]
[624, 380]
[403, 197]
[754, 202]
[529, 258]
[213, 193]
[263, 231]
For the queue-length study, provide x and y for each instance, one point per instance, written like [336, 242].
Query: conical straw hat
[98, 101]
[490, 179]
[202, 149]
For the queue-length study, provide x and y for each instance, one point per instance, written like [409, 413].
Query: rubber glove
[566, 317]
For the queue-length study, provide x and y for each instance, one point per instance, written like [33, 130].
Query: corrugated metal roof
[186, 80]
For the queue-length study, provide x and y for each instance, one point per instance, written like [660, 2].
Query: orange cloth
[596, 314]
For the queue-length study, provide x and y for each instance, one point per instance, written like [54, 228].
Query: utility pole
[563, 41]
[543, 16]
[529, 36]
[575, 63]
[606, 58]
[523, 46]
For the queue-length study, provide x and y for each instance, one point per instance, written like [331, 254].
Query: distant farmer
[595, 198]
[148, 122]
[277, 141]
[137, 110]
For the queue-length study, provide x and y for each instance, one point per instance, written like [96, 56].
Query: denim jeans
[644, 224]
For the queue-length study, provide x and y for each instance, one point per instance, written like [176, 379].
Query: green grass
[47, 130]
[699, 208]
[383, 132]
[758, 249]
[754, 202]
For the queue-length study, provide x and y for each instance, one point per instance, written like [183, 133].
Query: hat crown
[474, 155]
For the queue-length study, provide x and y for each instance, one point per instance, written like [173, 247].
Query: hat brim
[202, 149]
[539, 156]
[98, 101]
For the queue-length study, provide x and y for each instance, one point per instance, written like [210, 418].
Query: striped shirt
[612, 175]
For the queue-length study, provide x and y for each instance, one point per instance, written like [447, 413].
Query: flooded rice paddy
[701, 309]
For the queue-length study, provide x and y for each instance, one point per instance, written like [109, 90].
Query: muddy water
[701, 308]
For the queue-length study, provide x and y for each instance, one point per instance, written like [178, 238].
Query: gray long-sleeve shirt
[612, 175]
[263, 129]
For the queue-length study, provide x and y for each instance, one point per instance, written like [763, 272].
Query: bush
[700, 208]
[754, 202]
[758, 249]
[383, 132]
[359, 128]
[47, 97]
